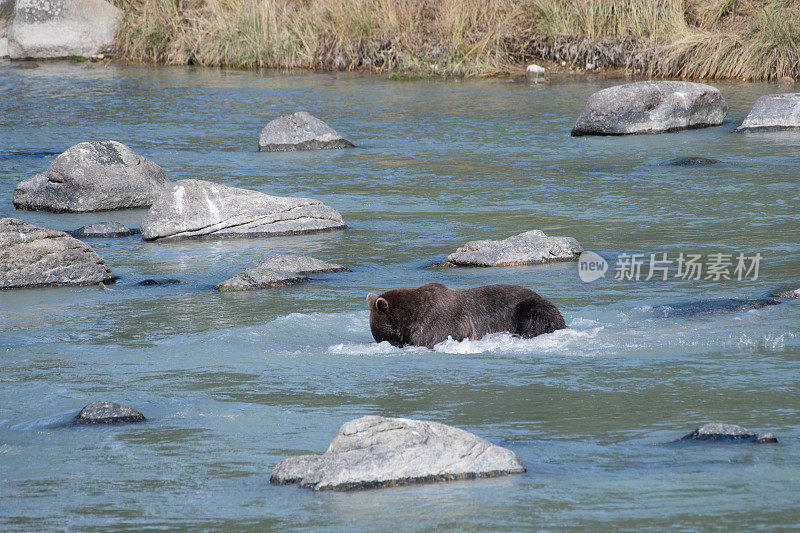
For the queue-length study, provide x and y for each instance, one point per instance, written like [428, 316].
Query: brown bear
[427, 315]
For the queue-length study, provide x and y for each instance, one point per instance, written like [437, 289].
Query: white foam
[374, 348]
[570, 340]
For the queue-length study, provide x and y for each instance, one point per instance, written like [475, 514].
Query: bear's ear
[371, 297]
[381, 305]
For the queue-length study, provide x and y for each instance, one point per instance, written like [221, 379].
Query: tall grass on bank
[750, 39]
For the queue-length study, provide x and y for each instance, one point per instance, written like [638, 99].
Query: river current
[233, 383]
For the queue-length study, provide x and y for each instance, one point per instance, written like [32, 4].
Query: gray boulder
[108, 413]
[103, 230]
[719, 432]
[31, 256]
[196, 208]
[278, 270]
[300, 131]
[529, 248]
[374, 451]
[42, 29]
[651, 107]
[93, 176]
[795, 293]
[773, 112]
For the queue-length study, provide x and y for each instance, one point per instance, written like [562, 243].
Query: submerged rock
[103, 230]
[150, 282]
[108, 413]
[255, 278]
[300, 264]
[690, 162]
[651, 107]
[529, 248]
[93, 176]
[278, 270]
[300, 131]
[31, 256]
[61, 28]
[373, 451]
[719, 432]
[788, 294]
[196, 208]
[708, 307]
[24, 154]
[773, 112]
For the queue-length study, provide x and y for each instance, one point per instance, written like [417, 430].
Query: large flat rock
[43, 29]
[530, 248]
[299, 131]
[196, 208]
[773, 112]
[374, 451]
[31, 256]
[651, 107]
[93, 176]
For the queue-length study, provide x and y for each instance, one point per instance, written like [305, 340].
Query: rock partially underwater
[773, 112]
[374, 451]
[157, 282]
[46, 29]
[278, 270]
[529, 248]
[108, 413]
[299, 131]
[793, 293]
[719, 432]
[102, 230]
[93, 176]
[709, 307]
[690, 162]
[196, 208]
[31, 256]
[651, 107]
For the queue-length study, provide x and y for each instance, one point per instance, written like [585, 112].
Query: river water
[233, 383]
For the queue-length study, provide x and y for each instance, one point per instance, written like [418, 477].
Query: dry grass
[752, 39]
[767, 46]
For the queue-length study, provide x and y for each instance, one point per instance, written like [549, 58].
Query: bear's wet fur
[427, 315]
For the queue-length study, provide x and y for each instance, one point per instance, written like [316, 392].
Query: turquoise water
[233, 383]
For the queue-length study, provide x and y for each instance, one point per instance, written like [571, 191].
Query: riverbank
[742, 39]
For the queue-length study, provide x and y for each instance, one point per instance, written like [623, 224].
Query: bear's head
[400, 315]
[385, 319]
